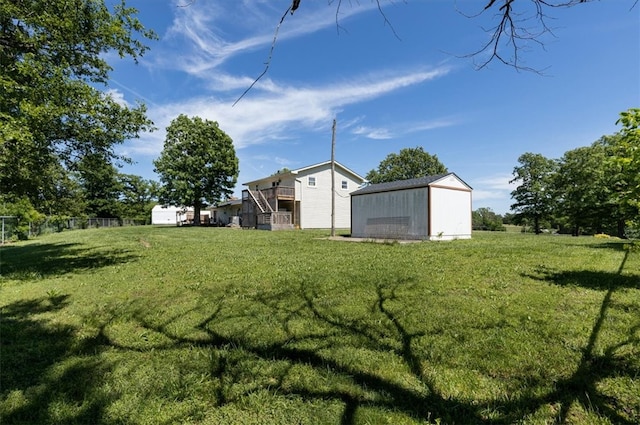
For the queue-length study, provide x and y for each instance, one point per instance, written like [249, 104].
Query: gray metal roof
[402, 184]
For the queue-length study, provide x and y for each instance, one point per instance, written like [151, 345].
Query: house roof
[230, 202]
[405, 184]
[297, 171]
[159, 207]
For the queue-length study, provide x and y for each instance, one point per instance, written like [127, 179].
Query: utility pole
[333, 179]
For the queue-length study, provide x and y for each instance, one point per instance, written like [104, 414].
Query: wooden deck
[277, 220]
[260, 208]
[283, 193]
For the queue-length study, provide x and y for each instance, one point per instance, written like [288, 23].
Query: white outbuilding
[425, 208]
[169, 215]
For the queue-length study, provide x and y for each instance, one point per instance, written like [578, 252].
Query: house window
[311, 181]
[345, 185]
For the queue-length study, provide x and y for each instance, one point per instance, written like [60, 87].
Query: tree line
[60, 127]
[591, 189]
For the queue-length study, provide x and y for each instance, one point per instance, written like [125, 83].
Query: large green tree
[410, 163]
[137, 197]
[486, 219]
[52, 68]
[626, 154]
[100, 186]
[533, 196]
[198, 164]
[65, 197]
[594, 188]
[584, 186]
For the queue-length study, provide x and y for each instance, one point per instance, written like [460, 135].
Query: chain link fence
[13, 230]
[8, 227]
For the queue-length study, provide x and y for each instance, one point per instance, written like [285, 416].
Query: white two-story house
[300, 198]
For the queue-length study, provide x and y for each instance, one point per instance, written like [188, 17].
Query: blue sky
[390, 85]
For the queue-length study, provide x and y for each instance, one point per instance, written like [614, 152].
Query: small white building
[300, 198]
[425, 208]
[169, 215]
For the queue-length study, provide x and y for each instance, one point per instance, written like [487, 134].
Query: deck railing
[275, 218]
[258, 208]
[279, 192]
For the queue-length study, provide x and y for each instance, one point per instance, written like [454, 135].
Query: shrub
[26, 216]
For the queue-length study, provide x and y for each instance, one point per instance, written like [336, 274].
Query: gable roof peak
[406, 184]
[296, 171]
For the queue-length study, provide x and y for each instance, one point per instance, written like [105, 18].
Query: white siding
[169, 215]
[315, 202]
[450, 181]
[163, 217]
[450, 213]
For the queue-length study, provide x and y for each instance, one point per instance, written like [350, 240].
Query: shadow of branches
[39, 369]
[594, 367]
[24, 262]
[299, 342]
[313, 349]
[597, 280]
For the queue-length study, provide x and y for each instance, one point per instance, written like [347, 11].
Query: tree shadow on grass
[583, 386]
[40, 372]
[33, 261]
[312, 351]
[617, 245]
[595, 280]
[294, 343]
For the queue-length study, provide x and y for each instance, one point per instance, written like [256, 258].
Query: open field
[148, 325]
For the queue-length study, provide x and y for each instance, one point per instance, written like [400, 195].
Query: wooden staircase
[264, 216]
[260, 201]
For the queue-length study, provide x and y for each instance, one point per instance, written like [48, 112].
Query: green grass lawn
[149, 325]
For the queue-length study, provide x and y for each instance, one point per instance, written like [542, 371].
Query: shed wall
[400, 214]
[164, 217]
[168, 216]
[450, 214]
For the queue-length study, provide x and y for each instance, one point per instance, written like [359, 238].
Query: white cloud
[373, 133]
[431, 125]
[401, 129]
[497, 182]
[212, 40]
[495, 188]
[282, 111]
[480, 194]
[117, 96]
[272, 110]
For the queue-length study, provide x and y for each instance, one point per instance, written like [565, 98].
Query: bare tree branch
[386, 21]
[338, 26]
[515, 30]
[292, 8]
